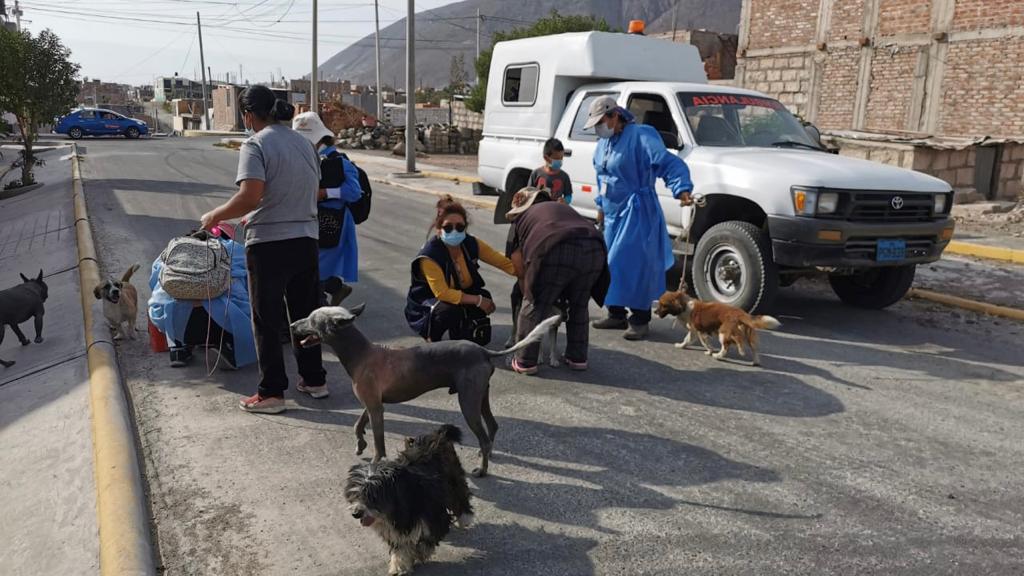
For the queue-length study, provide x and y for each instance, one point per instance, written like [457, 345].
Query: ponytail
[261, 102]
[282, 111]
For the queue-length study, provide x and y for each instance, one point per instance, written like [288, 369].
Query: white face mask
[604, 131]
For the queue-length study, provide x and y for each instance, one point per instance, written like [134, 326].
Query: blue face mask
[453, 238]
[555, 164]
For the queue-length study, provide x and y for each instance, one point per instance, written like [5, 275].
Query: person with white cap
[628, 160]
[339, 186]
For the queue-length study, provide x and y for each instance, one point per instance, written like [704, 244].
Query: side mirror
[814, 133]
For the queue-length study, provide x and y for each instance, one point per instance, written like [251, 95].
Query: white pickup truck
[775, 204]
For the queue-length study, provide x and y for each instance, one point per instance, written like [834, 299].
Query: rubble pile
[431, 139]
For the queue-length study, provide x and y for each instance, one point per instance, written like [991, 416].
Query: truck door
[579, 151]
[653, 110]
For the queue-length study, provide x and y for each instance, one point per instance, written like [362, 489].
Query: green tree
[554, 23]
[38, 82]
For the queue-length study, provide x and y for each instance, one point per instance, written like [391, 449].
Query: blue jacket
[639, 249]
[342, 261]
[171, 316]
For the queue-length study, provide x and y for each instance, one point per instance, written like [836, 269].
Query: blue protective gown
[342, 261]
[234, 315]
[639, 249]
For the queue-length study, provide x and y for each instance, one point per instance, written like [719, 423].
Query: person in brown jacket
[562, 256]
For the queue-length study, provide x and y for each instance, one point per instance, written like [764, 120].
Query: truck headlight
[828, 202]
[813, 202]
[940, 204]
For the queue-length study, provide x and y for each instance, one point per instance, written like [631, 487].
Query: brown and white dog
[120, 303]
[734, 326]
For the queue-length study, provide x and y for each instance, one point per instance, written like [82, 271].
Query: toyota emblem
[897, 202]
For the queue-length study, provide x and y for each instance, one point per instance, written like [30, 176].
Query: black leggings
[278, 271]
[452, 319]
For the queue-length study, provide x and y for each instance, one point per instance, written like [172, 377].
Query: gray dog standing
[18, 304]
[382, 375]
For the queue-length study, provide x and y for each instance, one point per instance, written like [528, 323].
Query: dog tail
[534, 336]
[764, 322]
[128, 274]
[450, 433]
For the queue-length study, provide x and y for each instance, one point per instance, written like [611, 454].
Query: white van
[776, 204]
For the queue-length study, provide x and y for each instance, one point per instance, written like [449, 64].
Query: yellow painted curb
[121, 514]
[982, 251]
[452, 177]
[972, 305]
[480, 202]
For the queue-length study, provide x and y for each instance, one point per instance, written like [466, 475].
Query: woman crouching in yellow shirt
[447, 292]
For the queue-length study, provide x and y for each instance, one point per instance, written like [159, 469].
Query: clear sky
[133, 41]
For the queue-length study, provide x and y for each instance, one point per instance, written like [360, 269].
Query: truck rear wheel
[875, 288]
[733, 264]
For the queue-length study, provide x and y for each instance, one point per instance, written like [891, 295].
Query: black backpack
[360, 209]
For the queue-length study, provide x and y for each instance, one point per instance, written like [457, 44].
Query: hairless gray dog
[382, 375]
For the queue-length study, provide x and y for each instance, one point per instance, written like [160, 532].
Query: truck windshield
[735, 120]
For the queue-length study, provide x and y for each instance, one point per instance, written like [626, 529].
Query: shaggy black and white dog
[411, 502]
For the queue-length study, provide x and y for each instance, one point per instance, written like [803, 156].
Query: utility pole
[410, 90]
[675, 12]
[380, 89]
[202, 64]
[17, 15]
[478, 33]
[314, 85]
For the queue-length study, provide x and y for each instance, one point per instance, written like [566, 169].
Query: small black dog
[20, 303]
[411, 502]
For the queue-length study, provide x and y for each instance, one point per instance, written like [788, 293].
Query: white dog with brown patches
[120, 304]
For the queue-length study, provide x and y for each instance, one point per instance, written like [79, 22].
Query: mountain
[449, 30]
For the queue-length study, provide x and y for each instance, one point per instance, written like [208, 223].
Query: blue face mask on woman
[453, 238]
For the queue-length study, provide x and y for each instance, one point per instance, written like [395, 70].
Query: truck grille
[861, 206]
[865, 248]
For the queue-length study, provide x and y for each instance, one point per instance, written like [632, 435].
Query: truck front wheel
[875, 288]
[733, 264]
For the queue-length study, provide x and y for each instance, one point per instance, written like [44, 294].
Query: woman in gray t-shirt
[278, 178]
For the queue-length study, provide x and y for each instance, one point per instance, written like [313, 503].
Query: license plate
[891, 250]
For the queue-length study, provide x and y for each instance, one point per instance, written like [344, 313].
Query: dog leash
[209, 317]
[698, 202]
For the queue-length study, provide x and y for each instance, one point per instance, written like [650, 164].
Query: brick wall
[463, 117]
[775, 23]
[983, 88]
[975, 14]
[892, 75]
[784, 77]
[904, 16]
[839, 82]
[847, 20]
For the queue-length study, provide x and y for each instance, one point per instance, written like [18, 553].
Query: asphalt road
[869, 442]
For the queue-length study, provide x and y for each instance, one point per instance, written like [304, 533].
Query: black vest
[421, 298]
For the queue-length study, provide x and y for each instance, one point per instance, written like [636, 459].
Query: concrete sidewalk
[47, 487]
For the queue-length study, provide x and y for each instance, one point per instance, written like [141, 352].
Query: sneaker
[574, 365]
[180, 357]
[520, 368]
[636, 332]
[223, 358]
[610, 323]
[260, 405]
[340, 294]
[316, 392]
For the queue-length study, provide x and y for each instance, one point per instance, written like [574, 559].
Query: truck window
[577, 132]
[720, 119]
[651, 109]
[520, 88]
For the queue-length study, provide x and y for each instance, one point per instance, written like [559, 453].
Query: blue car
[99, 122]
